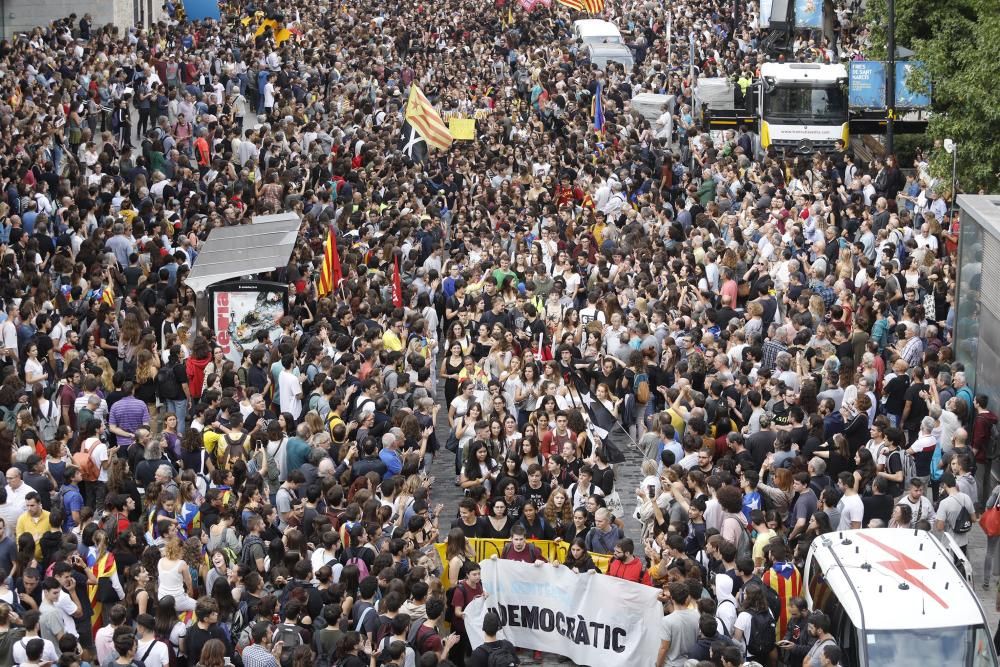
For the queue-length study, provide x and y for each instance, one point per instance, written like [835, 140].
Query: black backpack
[963, 522]
[166, 383]
[761, 639]
[503, 656]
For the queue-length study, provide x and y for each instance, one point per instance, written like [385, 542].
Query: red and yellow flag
[425, 119]
[108, 295]
[331, 273]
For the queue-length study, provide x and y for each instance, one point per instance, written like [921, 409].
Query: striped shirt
[785, 580]
[128, 414]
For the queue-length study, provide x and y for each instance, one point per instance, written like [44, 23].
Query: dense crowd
[770, 335]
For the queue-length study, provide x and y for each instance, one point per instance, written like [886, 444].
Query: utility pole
[890, 94]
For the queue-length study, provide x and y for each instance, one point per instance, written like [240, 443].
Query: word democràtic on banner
[589, 618]
[484, 548]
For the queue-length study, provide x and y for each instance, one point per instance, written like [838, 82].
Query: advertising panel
[240, 310]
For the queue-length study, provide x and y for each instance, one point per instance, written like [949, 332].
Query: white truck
[796, 107]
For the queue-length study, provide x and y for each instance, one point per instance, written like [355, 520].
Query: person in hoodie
[201, 355]
[726, 608]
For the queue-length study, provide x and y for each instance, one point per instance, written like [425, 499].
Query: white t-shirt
[852, 509]
[99, 455]
[158, 654]
[48, 653]
[289, 391]
[743, 622]
[66, 609]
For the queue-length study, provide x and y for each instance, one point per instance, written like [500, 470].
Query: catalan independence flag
[785, 580]
[589, 6]
[597, 108]
[108, 294]
[422, 116]
[330, 275]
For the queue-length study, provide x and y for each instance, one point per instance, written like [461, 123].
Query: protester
[563, 283]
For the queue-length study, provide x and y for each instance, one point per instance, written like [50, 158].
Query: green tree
[957, 40]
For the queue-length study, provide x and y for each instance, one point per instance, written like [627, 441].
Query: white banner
[593, 619]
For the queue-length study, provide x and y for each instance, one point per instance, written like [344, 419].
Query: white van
[597, 31]
[602, 54]
[895, 598]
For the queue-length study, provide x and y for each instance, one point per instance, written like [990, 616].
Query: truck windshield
[798, 104]
[967, 646]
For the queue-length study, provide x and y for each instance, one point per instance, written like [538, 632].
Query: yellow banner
[485, 548]
[462, 129]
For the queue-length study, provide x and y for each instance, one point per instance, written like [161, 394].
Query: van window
[948, 647]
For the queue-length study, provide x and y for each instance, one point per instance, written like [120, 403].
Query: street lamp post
[951, 148]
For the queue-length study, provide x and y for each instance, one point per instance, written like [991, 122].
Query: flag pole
[617, 420]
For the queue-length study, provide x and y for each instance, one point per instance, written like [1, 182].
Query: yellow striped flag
[589, 6]
[422, 116]
[329, 275]
[108, 294]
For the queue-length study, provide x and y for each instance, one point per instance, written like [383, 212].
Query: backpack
[48, 422]
[166, 383]
[236, 450]
[9, 416]
[83, 461]
[241, 620]
[171, 650]
[246, 552]
[7, 641]
[419, 634]
[641, 388]
[908, 466]
[993, 443]
[963, 522]
[383, 629]
[360, 563]
[288, 634]
[761, 639]
[399, 402]
[502, 656]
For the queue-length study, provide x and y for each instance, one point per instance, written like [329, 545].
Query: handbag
[990, 521]
[613, 502]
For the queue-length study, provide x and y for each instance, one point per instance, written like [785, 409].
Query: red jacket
[981, 427]
[628, 571]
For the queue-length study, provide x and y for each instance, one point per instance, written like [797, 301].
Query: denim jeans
[179, 408]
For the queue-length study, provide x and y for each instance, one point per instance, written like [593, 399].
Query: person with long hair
[213, 654]
[141, 589]
[102, 563]
[121, 482]
[458, 551]
[578, 558]
[558, 511]
[479, 468]
[168, 626]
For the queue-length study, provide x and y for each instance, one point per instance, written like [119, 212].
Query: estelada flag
[397, 285]
[108, 294]
[590, 6]
[425, 119]
[330, 274]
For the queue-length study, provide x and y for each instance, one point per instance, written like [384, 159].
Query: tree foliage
[957, 39]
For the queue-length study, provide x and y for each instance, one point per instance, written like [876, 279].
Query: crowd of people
[768, 336]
